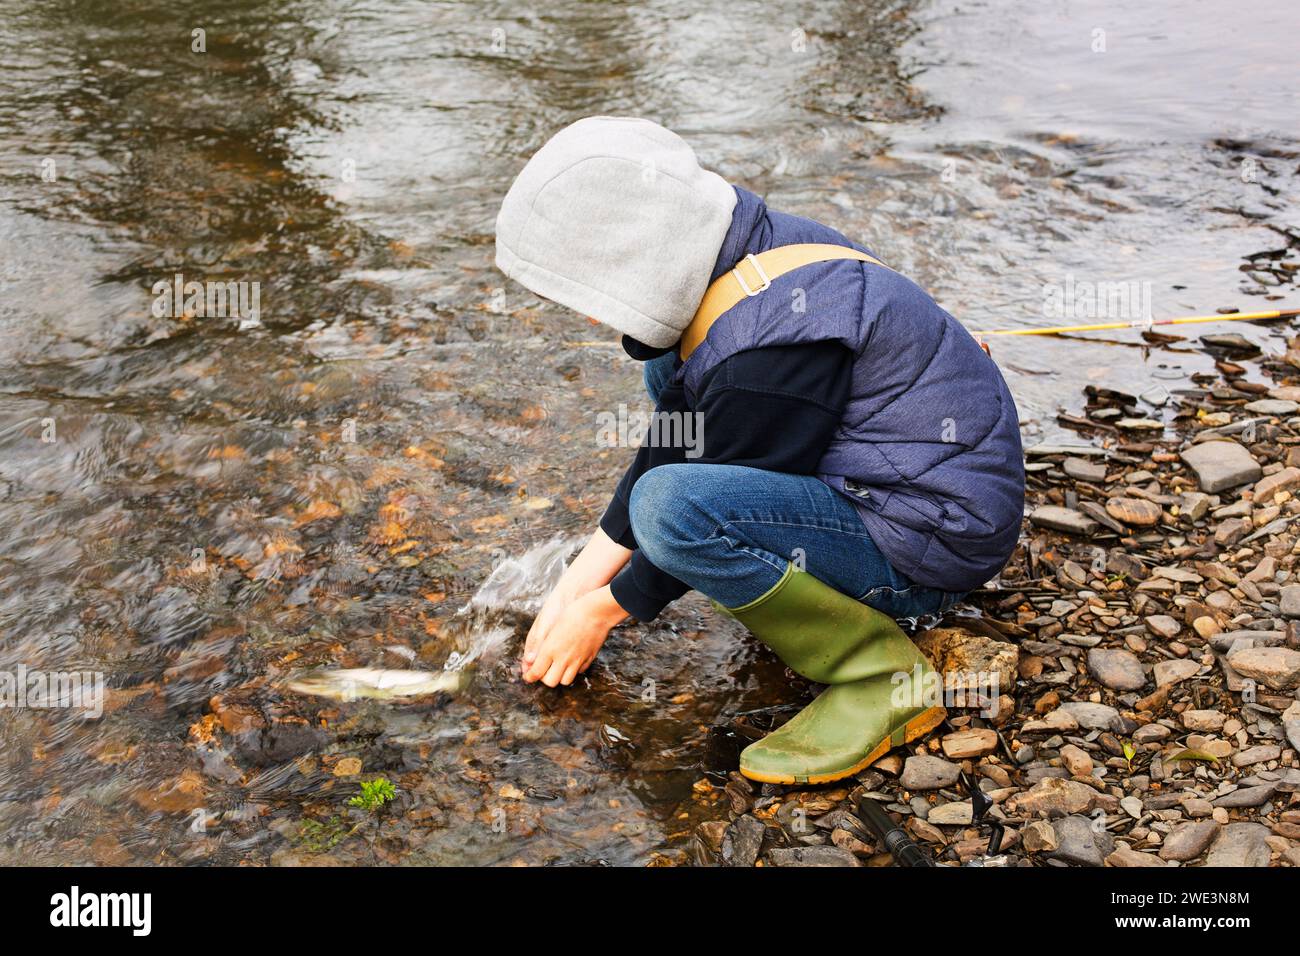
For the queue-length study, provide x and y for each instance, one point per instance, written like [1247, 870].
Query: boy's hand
[595, 567]
[574, 640]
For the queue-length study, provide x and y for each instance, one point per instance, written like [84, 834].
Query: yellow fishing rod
[1143, 323]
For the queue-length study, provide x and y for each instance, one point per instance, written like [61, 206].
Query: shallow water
[198, 511]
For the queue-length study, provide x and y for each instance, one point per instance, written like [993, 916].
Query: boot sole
[918, 726]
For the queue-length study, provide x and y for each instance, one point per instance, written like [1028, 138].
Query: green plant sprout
[374, 794]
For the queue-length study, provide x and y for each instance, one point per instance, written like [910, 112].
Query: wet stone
[821, 856]
[928, 773]
[1063, 519]
[1080, 469]
[1134, 511]
[1079, 843]
[1117, 669]
[1240, 844]
[1189, 840]
[743, 841]
[1276, 667]
[1220, 465]
[1090, 715]
[1247, 797]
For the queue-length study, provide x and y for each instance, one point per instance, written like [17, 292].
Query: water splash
[521, 584]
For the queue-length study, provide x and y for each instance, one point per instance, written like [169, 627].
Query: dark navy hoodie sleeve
[772, 408]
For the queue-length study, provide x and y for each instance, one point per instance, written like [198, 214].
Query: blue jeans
[730, 532]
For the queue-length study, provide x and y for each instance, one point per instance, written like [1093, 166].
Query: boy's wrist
[607, 609]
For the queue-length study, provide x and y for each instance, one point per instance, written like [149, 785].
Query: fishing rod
[1144, 323]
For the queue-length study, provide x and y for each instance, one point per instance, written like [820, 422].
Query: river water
[199, 507]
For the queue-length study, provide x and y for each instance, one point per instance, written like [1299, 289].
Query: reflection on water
[200, 512]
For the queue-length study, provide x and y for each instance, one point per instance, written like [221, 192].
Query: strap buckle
[758, 270]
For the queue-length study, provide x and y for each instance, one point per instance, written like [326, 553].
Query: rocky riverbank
[1148, 628]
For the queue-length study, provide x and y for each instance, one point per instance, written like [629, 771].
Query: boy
[861, 456]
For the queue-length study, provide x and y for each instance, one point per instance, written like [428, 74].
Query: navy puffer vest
[930, 440]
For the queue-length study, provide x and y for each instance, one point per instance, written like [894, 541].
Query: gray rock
[1116, 668]
[1150, 733]
[813, 856]
[1174, 672]
[1090, 715]
[1240, 844]
[1188, 840]
[1276, 667]
[743, 841]
[1126, 856]
[1063, 519]
[1082, 470]
[1253, 755]
[951, 814]
[1162, 625]
[1203, 720]
[1079, 843]
[1247, 796]
[1289, 598]
[1221, 464]
[1272, 406]
[928, 773]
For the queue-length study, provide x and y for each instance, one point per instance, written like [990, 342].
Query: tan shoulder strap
[731, 287]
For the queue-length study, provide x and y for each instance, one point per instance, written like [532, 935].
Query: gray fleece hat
[616, 219]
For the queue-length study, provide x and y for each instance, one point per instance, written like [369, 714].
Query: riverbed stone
[928, 773]
[1125, 856]
[1053, 796]
[1080, 469]
[819, 856]
[1220, 465]
[1063, 519]
[1116, 668]
[1188, 840]
[1275, 667]
[1240, 844]
[1090, 715]
[1078, 842]
[1288, 479]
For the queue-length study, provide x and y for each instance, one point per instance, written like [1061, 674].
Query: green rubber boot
[877, 676]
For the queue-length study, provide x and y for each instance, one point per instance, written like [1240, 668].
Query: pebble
[1063, 519]
[970, 743]
[1272, 406]
[928, 773]
[813, 856]
[1188, 840]
[1053, 796]
[1168, 673]
[1202, 720]
[1162, 625]
[1289, 600]
[951, 814]
[1081, 469]
[1220, 465]
[1240, 844]
[1125, 856]
[1246, 797]
[1079, 843]
[1117, 669]
[1076, 761]
[1134, 511]
[1276, 667]
[1090, 715]
[1285, 480]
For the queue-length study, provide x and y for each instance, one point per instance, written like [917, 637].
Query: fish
[377, 684]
